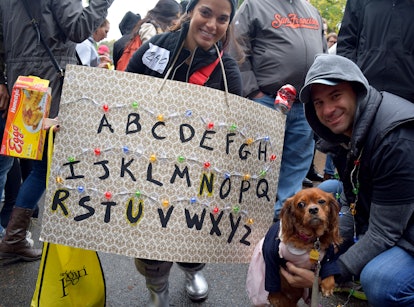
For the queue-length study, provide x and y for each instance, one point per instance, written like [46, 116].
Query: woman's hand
[298, 277]
[51, 122]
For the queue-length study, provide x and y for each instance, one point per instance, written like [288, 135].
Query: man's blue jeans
[388, 284]
[297, 153]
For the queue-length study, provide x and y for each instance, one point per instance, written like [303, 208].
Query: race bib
[156, 58]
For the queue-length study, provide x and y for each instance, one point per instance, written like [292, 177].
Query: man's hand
[298, 277]
[4, 97]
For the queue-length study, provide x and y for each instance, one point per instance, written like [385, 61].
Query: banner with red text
[161, 169]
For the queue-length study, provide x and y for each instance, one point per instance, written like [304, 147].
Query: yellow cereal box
[29, 106]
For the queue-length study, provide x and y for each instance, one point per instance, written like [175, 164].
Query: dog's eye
[301, 205]
[321, 201]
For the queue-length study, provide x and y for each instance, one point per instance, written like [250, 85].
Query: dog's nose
[313, 210]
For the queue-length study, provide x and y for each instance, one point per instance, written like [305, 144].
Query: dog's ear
[334, 220]
[287, 216]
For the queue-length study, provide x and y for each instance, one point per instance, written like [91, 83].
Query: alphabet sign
[161, 169]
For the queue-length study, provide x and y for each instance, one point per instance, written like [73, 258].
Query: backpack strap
[201, 76]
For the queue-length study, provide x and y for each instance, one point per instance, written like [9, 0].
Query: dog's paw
[327, 286]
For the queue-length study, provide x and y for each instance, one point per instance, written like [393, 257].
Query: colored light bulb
[108, 195]
[165, 203]
[216, 210]
[97, 151]
[153, 158]
[181, 159]
[105, 107]
[210, 125]
[273, 157]
[207, 165]
[160, 117]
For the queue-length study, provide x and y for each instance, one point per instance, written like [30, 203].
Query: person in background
[194, 43]
[377, 216]
[331, 39]
[183, 4]
[126, 26]
[279, 51]
[87, 50]
[18, 172]
[379, 37]
[62, 25]
[165, 14]
[128, 22]
[104, 54]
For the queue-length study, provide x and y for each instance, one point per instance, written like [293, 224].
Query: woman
[87, 53]
[197, 41]
[165, 14]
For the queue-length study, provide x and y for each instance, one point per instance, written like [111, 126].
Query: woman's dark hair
[227, 40]
[161, 16]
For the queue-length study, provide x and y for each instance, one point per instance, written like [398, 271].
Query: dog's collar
[304, 237]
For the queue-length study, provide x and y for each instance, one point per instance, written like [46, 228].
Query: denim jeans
[5, 165]
[35, 184]
[388, 284]
[298, 148]
[5, 161]
[329, 165]
[333, 186]
[384, 283]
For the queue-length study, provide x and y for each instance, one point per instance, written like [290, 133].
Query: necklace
[355, 190]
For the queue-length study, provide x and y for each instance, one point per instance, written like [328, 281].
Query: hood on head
[331, 69]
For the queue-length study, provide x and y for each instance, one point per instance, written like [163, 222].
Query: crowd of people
[354, 98]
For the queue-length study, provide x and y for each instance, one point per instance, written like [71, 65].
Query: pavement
[125, 287]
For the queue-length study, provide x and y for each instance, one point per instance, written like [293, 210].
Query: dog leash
[315, 256]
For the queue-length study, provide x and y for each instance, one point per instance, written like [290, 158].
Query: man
[62, 23]
[376, 133]
[280, 40]
[379, 37]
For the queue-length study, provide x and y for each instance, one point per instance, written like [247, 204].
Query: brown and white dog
[309, 225]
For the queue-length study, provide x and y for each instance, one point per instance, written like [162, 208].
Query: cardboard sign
[161, 169]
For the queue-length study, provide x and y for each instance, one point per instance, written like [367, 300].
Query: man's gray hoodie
[379, 164]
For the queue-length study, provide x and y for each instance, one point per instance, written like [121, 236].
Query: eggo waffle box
[29, 105]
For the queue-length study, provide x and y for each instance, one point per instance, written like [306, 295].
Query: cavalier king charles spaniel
[309, 226]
